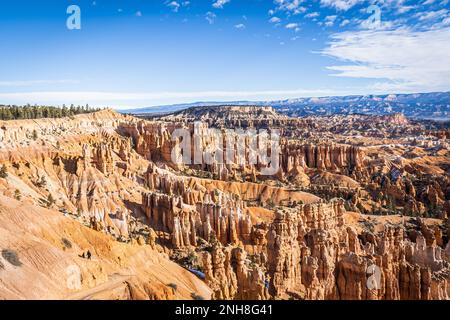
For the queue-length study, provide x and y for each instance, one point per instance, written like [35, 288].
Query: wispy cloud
[291, 6]
[404, 9]
[410, 60]
[329, 20]
[240, 26]
[292, 25]
[210, 17]
[218, 4]
[342, 5]
[344, 23]
[174, 6]
[275, 20]
[312, 15]
[431, 15]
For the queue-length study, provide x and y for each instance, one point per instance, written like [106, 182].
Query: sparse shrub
[447, 223]
[50, 201]
[67, 244]
[35, 135]
[196, 296]
[213, 239]
[191, 258]
[12, 257]
[173, 286]
[17, 195]
[2, 266]
[42, 182]
[3, 172]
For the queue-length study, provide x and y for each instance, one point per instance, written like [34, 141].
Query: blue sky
[139, 53]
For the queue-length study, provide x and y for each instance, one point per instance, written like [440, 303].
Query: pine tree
[12, 112]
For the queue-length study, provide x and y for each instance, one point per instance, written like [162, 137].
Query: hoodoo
[346, 216]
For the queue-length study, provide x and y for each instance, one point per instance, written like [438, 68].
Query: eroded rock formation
[324, 226]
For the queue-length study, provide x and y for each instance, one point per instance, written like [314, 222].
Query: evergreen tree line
[13, 112]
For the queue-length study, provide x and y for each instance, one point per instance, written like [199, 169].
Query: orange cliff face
[301, 233]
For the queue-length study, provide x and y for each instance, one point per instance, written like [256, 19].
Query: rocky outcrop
[331, 157]
[257, 117]
[302, 244]
[227, 273]
[224, 220]
[313, 255]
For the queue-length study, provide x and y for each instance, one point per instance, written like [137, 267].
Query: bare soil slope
[41, 253]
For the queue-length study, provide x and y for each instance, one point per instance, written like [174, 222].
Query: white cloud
[220, 3]
[344, 23]
[291, 6]
[312, 15]
[343, 5]
[174, 6]
[404, 9]
[292, 26]
[412, 60]
[275, 20]
[430, 15]
[138, 14]
[329, 20]
[210, 17]
[240, 26]
[379, 25]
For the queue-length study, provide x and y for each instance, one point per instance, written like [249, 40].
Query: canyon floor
[95, 206]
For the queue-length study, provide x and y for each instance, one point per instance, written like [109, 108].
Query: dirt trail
[114, 281]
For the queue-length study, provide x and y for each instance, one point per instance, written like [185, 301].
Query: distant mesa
[434, 106]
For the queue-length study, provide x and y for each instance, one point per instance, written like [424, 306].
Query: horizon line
[89, 97]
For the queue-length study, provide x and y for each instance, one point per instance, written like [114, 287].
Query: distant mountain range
[434, 106]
